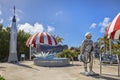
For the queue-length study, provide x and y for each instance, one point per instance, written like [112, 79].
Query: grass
[2, 78]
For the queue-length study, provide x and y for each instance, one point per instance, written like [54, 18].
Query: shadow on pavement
[2, 67]
[27, 66]
[105, 77]
[70, 65]
[110, 75]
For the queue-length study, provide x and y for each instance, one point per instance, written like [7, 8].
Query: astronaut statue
[86, 54]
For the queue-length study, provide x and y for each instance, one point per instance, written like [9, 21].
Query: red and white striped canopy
[41, 38]
[113, 30]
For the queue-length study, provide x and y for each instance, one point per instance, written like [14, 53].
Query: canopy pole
[110, 46]
[37, 48]
[118, 65]
[30, 52]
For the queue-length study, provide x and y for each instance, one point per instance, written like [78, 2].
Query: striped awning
[41, 38]
[113, 30]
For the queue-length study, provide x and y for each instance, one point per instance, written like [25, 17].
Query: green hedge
[68, 54]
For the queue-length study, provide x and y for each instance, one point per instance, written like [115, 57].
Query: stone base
[55, 62]
[89, 74]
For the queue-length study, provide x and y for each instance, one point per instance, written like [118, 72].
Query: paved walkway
[28, 71]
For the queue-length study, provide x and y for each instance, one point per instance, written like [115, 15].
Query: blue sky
[69, 19]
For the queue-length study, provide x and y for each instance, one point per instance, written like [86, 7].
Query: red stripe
[49, 39]
[28, 41]
[116, 27]
[117, 24]
[34, 39]
[112, 35]
[42, 37]
[55, 40]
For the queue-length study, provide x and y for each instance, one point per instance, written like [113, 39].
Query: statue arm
[82, 47]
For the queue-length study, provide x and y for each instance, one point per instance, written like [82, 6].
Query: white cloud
[1, 21]
[93, 25]
[17, 18]
[31, 28]
[104, 24]
[58, 13]
[50, 29]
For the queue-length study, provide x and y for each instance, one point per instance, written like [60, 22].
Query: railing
[109, 58]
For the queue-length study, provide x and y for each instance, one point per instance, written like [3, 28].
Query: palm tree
[104, 42]
[59, 39]
[116, 46]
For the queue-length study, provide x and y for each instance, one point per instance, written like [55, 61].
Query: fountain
[47, 47]
[50, 60]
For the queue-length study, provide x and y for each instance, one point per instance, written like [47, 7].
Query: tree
[1, 26]
[116, 47]
[21, 43]
[4, 43]
[59, 39]
[104, 44]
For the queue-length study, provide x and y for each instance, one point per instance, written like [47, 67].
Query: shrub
[71, 54]
[2, 78]
[66, 54]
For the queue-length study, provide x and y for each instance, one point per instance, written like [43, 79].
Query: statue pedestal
[89, 73]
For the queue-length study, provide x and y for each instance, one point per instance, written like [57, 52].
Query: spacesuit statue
[86, 53]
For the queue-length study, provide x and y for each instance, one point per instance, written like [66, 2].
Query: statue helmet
[88, 34]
